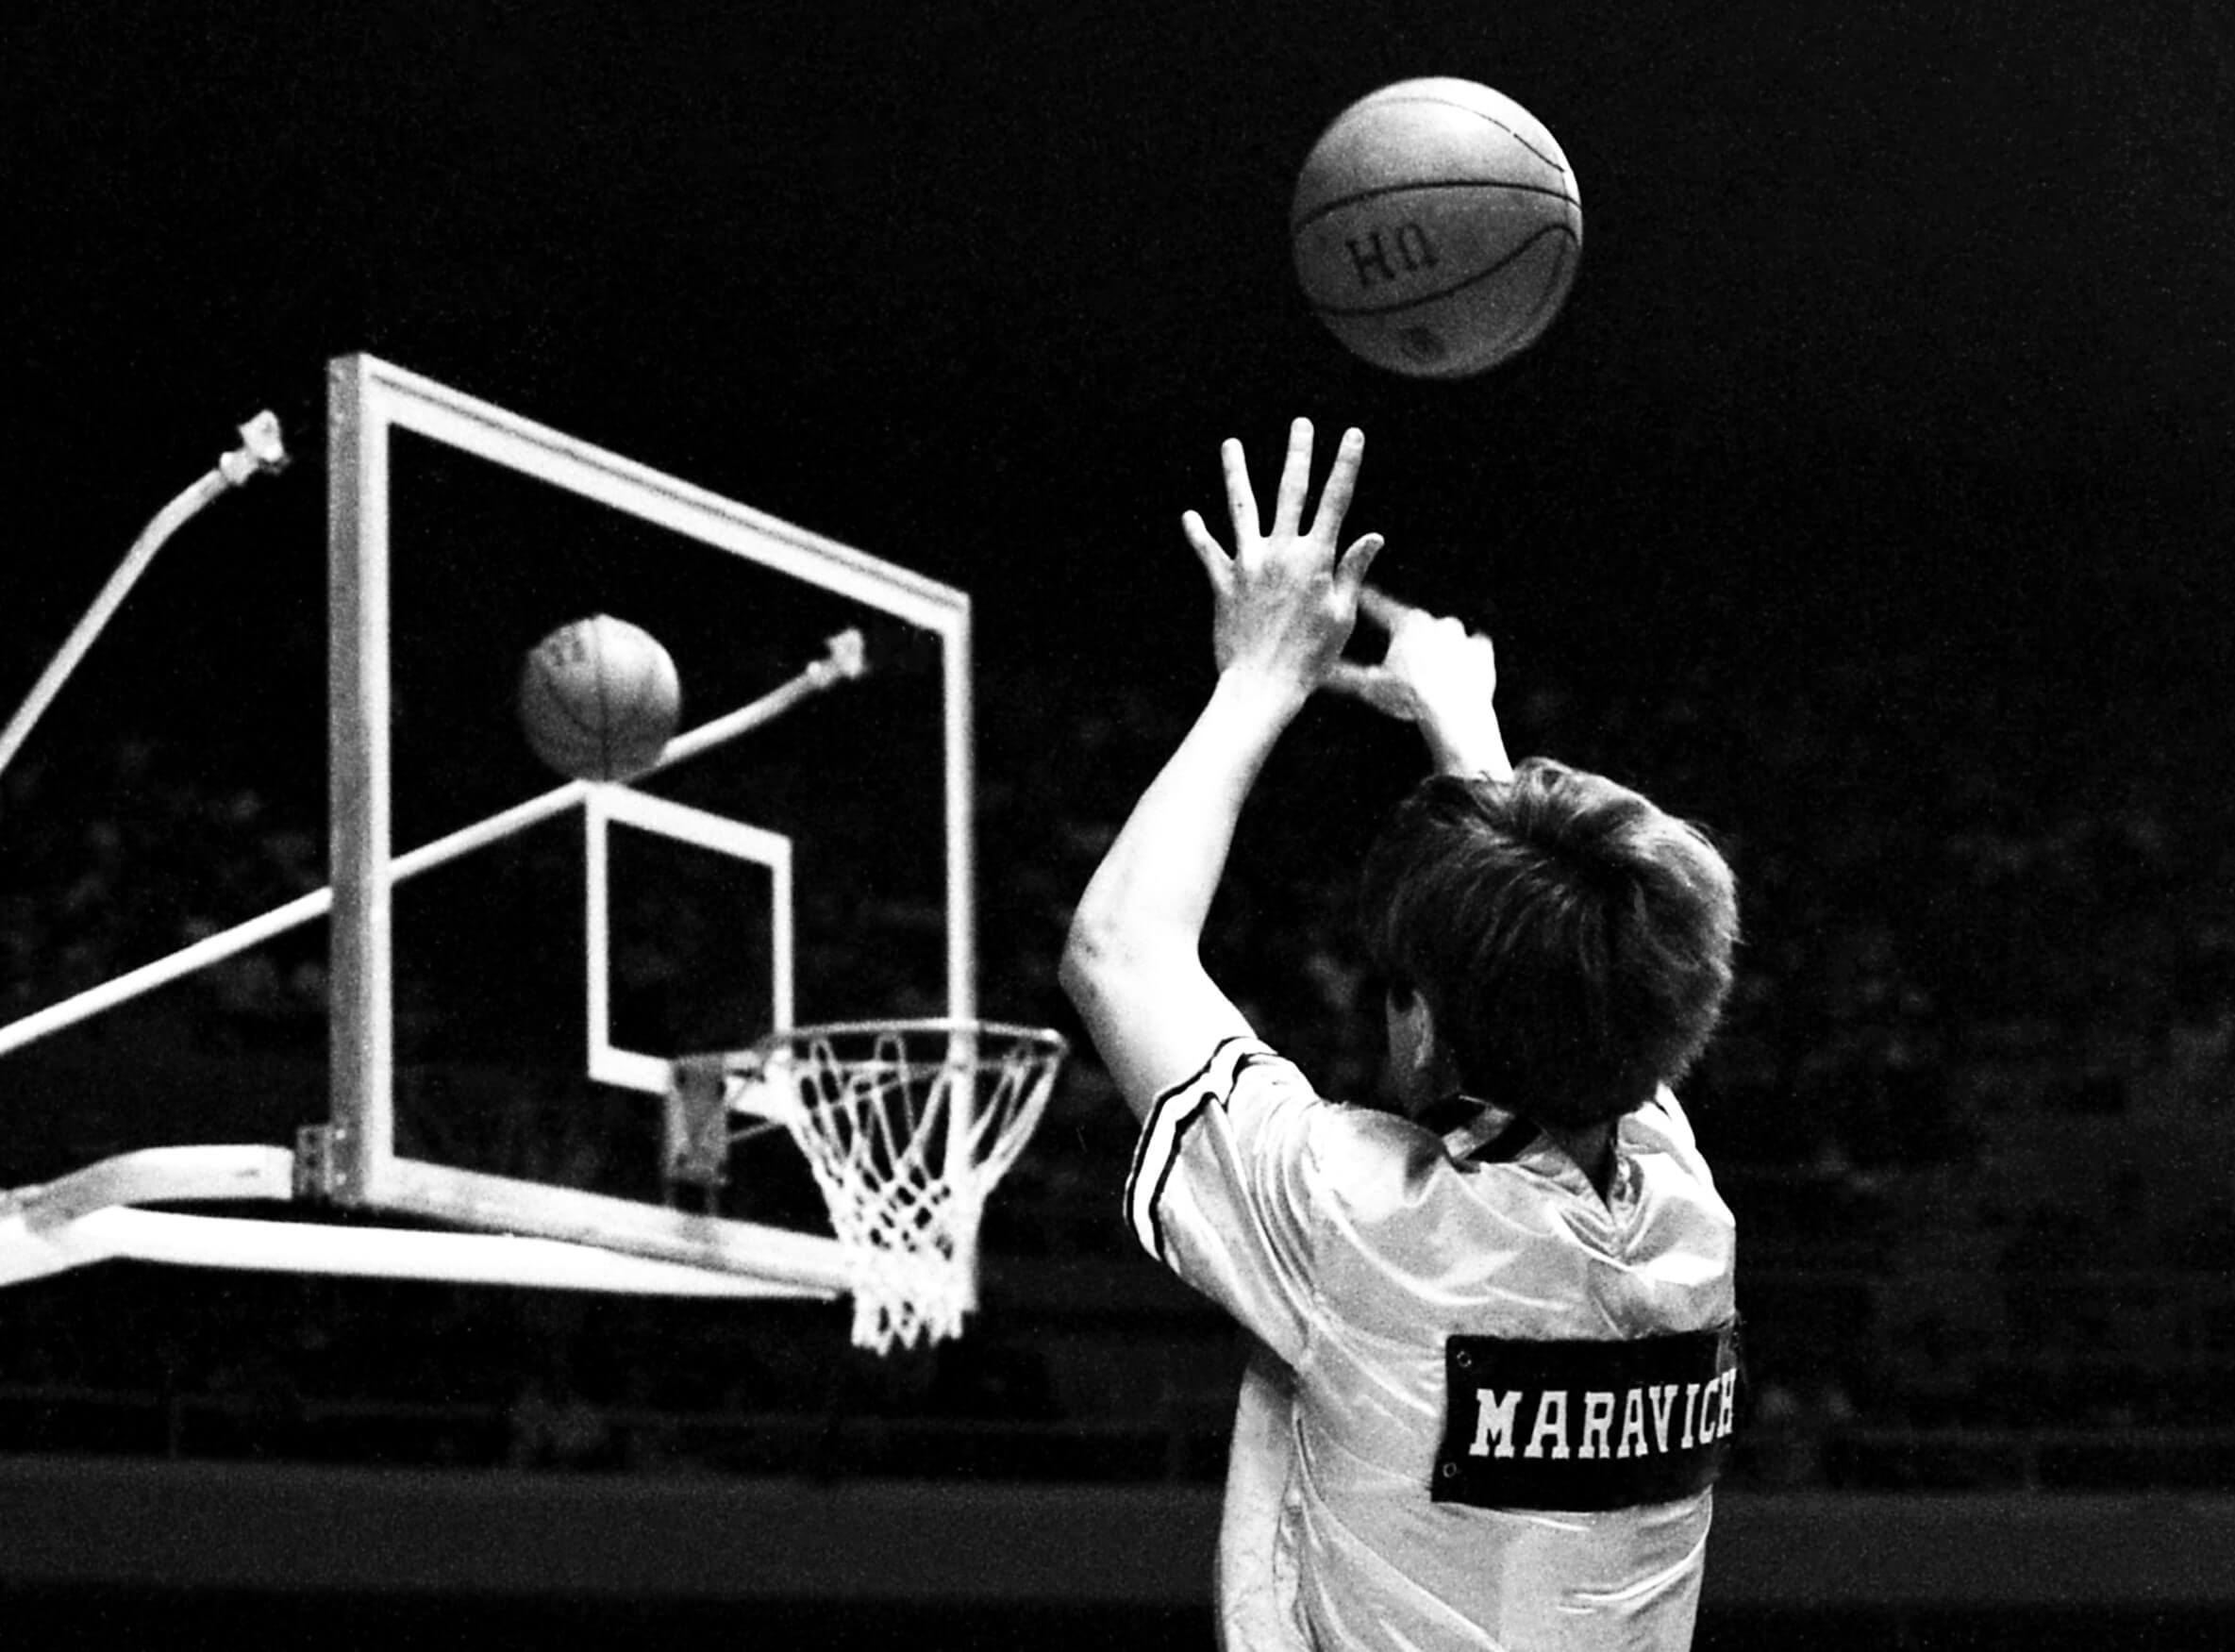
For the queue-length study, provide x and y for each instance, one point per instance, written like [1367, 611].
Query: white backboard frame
[368, 400]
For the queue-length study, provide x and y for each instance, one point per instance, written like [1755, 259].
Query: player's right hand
[1285, 601]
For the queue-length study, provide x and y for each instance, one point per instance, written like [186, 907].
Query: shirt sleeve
[1218, 1189]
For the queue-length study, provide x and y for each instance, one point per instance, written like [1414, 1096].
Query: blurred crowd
[1973, 1107]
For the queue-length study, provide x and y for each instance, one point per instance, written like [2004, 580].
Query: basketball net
[907, 1125]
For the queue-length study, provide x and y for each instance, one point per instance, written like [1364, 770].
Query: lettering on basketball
[566, 647]
[1407, 251]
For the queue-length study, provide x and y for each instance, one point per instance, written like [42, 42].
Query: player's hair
[1572, 941]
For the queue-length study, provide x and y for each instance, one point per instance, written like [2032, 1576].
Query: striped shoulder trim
[1169, 1120]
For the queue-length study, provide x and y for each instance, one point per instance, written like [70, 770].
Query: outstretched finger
[1354, 564]
[1382, 608]
[1296, 478]
[1347, 677]
[1207, 550]
[1241, 504]
[1334, 499]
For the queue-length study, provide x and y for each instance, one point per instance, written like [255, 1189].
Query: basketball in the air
[599, 699]
[1436, 228]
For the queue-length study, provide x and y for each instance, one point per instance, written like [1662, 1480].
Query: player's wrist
[1476, 747]
[1249, 688]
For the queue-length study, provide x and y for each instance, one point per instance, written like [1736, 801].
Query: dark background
[1902, 328]
[1871, 499]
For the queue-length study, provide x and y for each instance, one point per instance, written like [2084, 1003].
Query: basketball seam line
[605, 714]
[1442, 293]
[1325, 208]
[557, 701]
[1534, 324]
[1478, 114]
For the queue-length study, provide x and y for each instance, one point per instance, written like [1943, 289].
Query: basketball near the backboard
[599, 699]
[1436, 228]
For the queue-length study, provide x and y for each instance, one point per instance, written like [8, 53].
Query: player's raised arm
[1436, 673]
[1283, 605]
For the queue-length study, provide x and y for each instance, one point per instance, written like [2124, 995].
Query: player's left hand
[1438, 674]
[1435, 668]
[1285, 602]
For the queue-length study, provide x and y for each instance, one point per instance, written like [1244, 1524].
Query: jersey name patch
[1585, 1426]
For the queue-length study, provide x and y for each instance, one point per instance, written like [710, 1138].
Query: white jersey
[1509, 1396]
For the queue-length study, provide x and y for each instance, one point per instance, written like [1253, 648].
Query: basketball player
[1499, 1352]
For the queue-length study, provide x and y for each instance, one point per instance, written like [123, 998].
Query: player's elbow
[1090, 957]
[1101, 956]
